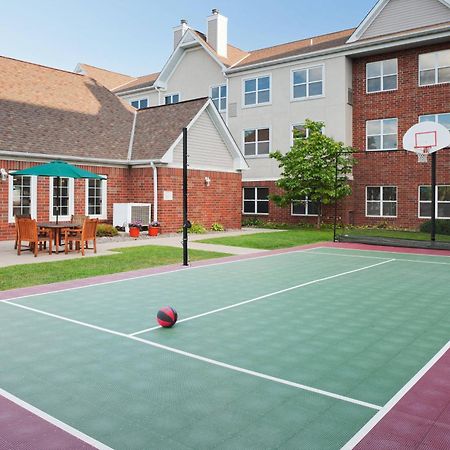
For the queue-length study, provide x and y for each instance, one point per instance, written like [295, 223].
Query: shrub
[442, 227]
[103, 229]
[197, 228]
[252, 222]
[217, 227]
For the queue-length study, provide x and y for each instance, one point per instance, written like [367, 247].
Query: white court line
[50, 419]
[200, 358]
[268, 295]
[394, 400]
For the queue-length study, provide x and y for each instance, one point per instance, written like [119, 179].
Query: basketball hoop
[422, 154]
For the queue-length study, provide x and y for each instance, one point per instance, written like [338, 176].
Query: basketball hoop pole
[185, 200]
[433, 196]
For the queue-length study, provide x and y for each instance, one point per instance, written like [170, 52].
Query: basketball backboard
[426, 137]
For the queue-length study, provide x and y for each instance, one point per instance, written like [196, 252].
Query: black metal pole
[433, 196]
[185, 201]
[335, 198]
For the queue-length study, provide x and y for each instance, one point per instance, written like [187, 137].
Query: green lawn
[394, 233]
[124, 260]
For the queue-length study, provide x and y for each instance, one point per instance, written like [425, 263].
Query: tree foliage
[309, 168]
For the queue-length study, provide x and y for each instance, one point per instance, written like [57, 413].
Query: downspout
[155, 191]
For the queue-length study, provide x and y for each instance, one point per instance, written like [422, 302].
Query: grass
[418, 236]
[124, 260]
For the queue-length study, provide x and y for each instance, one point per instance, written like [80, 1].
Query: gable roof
[108, 78]
[137, 83]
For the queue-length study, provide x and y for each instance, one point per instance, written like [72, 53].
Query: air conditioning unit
[126, 213]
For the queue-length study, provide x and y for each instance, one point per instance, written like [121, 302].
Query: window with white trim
[219, 97]
[382, 134]
[299, 131]
[381, 76]
[442, 202]
[140, 103]
[307, 83]
[257, 91]
[443, 119]
[171, 98]
[304, 207]
[66, 198]
[434, 68]
[96, 198]
[257, 142]
[255, 200]
[381, 201]
[22, 198]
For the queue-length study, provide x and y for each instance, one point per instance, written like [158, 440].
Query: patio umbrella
[58, 170]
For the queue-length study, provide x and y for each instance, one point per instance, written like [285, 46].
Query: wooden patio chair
[17, 217]
[82, 237]
[28, 231]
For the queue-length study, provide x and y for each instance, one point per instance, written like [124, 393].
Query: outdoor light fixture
[207, 181]
[3, 174]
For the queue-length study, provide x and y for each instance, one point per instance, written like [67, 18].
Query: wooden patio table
[57, 228]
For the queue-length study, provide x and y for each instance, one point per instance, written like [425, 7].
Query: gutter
[155, 192]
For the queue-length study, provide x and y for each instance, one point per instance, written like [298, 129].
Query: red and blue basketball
[167, 317]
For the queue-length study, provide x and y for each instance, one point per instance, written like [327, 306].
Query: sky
[135, 36]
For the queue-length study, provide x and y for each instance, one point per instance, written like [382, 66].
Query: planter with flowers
[154, 228]
[135, 228]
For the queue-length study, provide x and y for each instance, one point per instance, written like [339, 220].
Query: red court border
[21, 429]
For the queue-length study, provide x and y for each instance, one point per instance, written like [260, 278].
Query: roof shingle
[108, 78]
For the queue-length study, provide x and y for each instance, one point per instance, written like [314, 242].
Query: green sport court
[310, 348]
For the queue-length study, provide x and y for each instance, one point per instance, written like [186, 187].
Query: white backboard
[426, 137]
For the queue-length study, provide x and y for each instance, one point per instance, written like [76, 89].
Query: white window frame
[382, 135]
[33, 187]
[62, 218]
[140, 99]
[263, 155]
[382, 201]
[429, 201]
[219, 98]
[435, 116]
[307, 97]
[382, 76]
[256, 201]
[255, 105]
[171, 97]
[435, 68]
[104, 211]
[306, 201]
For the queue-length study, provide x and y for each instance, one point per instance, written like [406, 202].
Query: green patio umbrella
[58, 170]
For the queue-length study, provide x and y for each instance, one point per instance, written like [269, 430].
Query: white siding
[206, 148]
[401, 15]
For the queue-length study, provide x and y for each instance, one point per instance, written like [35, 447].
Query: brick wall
[397, 168]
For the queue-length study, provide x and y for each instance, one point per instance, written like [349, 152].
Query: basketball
[167, 317]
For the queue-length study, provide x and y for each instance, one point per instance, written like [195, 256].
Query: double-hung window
[22, 196]
[140, 103]
[381, 201]
[442, 202]
[171, 98]
[434, 68]
[381, 76]
[304, 207]
[257, 91]
[96, 195]
[443, 119]
[307, 83]
[382, 134]
[61, 198]
[256, 200]
[219, 97]
[257, 142]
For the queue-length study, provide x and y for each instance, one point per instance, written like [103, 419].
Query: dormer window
[139, 103]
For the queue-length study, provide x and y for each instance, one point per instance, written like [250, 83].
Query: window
[219, 97]
[299, 132]
[256, 200]
[443, 119]
[96, 195]
[442, 202]
[257, 91]
[381, 76]
[22, 196]
[257, 142]
[304, 207]
[381, 134]
[171, 98]
[434, 68]
[66, 198]
[381, 201]
[307, 83]
[139, 104]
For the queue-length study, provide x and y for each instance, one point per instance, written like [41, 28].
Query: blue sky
[135, 36]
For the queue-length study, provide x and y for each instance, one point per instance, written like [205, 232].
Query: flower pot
[153, 231]
[134, 232]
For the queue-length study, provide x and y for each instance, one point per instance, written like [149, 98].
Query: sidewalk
[9, 257]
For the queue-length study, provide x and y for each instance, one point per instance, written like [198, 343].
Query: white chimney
[217, 35]
[178, 32]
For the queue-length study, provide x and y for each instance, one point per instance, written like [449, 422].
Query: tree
[316, 167]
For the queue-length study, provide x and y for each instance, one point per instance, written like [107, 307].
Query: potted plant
[154, 228]
[135, 228]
